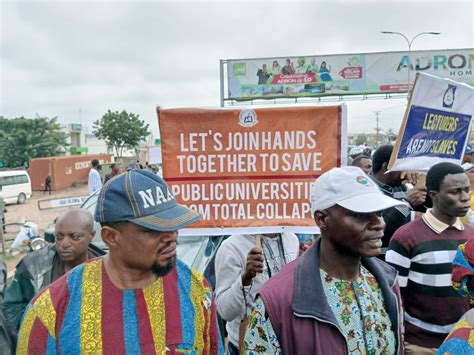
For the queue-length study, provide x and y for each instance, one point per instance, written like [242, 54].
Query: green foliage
[121, 130]
[390, 136]
[361, 139]
[24, 138]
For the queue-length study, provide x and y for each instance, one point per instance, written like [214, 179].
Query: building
[370, 139]
[65, 171]
[83, 141]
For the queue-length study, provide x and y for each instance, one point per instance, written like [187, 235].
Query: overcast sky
[59, 57]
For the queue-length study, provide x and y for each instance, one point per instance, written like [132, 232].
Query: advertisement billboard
[345, 74]
[250, 170]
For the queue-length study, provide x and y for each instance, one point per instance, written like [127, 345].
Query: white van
[15, 186]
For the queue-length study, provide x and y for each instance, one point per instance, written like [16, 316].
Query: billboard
[436, 125]
[345, 74]
[250, 170]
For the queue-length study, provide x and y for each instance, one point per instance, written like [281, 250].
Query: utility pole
[377, 128]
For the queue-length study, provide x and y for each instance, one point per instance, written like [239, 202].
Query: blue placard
[436, 133]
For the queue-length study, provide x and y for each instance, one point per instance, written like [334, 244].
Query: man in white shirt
[242, 268]
[94, 182]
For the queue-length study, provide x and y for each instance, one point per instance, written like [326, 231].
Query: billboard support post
[410, 42]
[221, 69]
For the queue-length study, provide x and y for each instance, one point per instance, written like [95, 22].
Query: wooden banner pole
[258, 244]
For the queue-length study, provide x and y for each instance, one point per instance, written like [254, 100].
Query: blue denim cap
[133, 166]
[142, 197]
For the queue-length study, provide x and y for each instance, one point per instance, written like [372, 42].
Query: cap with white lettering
[142, 197]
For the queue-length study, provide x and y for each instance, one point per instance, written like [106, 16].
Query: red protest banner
[249, 168]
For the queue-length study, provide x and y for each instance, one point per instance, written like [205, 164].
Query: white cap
[356, 150]
[351, 188]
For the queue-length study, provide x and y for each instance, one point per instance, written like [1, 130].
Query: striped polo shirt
[422, 251]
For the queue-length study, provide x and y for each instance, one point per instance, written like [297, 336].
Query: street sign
[61, 202]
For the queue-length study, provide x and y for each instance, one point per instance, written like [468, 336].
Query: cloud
[58, 57]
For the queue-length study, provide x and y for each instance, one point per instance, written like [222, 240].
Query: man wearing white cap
[335, 298]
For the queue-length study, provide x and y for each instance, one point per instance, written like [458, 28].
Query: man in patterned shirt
[137, 299]
[335, 298]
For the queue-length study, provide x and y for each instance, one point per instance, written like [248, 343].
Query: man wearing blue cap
[139, 298]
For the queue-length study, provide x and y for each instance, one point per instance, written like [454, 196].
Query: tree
[121, 130]
[24, 138]
[390, 135]
[361, 139]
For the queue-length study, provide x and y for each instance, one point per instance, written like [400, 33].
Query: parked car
[15, 186]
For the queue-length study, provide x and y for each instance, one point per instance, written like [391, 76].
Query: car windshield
[195, 251]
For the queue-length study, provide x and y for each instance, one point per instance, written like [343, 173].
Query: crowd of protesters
[379, 279]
